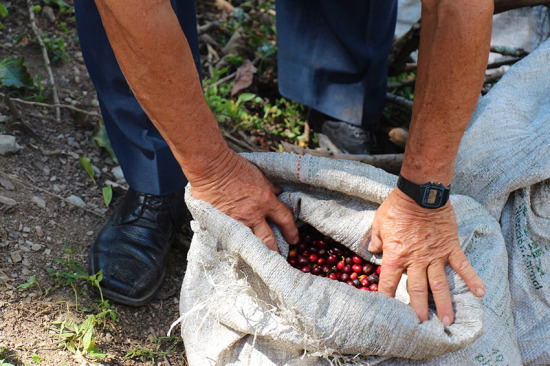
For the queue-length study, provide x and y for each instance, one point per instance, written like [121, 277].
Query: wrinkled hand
[240, 190]
[421, 242]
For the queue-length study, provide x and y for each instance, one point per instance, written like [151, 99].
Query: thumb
[264, 232]
[375, 245]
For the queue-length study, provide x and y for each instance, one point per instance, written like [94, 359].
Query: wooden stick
[509, 51]
[402, 49]
[389, 162]
[66, 106]
[38, 35]
[409, 42]
[497, 64]
[400, 101]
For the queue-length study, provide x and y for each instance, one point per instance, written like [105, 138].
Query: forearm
[453, 54]
[157, 62]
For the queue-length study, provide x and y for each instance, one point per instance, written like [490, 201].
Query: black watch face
[432, 196]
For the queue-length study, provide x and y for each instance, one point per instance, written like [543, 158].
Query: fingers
[280, 215]
[389, 277]
[462, 266]
[417, 285]
[441, 293]
[264, 232]
[375, 245]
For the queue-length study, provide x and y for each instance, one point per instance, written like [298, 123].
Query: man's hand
[421, 242]
[240, 190]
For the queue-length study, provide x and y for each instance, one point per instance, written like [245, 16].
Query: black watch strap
[428, 195]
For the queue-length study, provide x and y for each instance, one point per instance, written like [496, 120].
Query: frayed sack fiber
[243, 304]
[504, 163]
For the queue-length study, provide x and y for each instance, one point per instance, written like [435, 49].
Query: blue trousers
[332, 56]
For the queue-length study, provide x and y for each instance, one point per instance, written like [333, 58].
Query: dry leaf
[224, 5]
[244, 77]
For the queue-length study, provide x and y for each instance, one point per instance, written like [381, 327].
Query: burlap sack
[243, 304]
[504, 163]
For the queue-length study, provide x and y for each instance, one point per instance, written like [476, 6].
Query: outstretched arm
[156, 60]
[453, 54]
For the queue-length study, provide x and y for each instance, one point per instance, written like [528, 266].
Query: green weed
[79, 337]
[165, 346]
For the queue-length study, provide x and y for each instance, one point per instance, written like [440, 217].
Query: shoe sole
[126, 300]
[133, 301]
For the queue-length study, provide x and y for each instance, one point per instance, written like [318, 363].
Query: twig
[497, 64]
[16, 113]
[221, 81]
[208, 27]
[241, 144]
[167, 361]
[46, 60]
[389, 162]
[509, 51]
[9, 50]
[12, 177]
[400, 101]
[402, 49]
[66, 106]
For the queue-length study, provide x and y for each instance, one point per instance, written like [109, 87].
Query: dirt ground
[42, 233]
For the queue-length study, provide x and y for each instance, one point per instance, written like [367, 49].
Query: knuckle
[417, 289]
[439, 285]
[463, 266]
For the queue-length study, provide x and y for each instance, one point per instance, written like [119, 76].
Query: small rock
[90, 233]
[56, 187]
[53, 178]
[117, 172]
[16, 256]
[8, 145]
[25, 249]
[25, 272]
[47, 251]
[26, 262]
[46, 171]
[39, 231]
[49, 14]
[39, 202]
[26, 229]
[36, 247]
[76, 200]
[7, 201]
[7, 184]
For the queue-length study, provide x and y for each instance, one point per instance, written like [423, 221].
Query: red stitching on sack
[298, 168]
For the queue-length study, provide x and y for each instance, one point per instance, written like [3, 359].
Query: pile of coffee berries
[322, 256]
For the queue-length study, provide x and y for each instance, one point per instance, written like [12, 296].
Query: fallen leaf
[224, 5]
[244, 77]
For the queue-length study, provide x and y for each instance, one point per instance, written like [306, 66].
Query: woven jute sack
[504, 163]
[243, 304]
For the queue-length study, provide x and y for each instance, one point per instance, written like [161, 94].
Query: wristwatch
[428, 195]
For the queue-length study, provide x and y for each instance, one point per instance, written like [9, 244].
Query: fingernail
[446, 320]
[480, 291]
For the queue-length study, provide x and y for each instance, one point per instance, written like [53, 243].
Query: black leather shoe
[132, 246]
[340, 136]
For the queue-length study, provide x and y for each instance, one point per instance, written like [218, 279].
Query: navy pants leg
[144, 156]
[332, 55]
